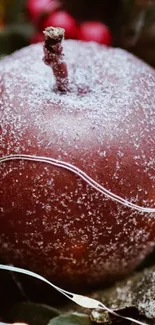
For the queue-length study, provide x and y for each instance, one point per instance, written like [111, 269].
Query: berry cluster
[1, 24]
[46, 13]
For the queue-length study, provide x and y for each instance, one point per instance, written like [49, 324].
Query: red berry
[94, 31]
[37, 38]
[37, 7]
[64, 20]
[1, 24]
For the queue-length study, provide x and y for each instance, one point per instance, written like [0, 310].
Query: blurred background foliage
[129, 24]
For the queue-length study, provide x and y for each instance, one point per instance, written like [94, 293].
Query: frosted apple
[94, 126]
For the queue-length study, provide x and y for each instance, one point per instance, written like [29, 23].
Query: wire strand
[80, 300]
[81, 174]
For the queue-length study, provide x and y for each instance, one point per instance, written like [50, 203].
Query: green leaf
[71, 319]
[15, 36]
[31, 313]
[14, 10]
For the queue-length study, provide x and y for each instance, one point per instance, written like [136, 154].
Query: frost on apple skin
[103, 126]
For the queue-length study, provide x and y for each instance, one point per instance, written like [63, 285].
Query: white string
[80, 173]
[80, 300]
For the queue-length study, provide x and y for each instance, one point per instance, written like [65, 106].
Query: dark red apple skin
[51, 221]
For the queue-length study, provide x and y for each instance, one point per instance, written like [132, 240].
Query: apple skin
[53, 222]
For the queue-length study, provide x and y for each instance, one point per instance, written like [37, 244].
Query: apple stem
[54, 57]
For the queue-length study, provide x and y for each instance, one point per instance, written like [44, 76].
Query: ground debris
[134, 297]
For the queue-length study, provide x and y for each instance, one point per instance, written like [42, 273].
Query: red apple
[52, 221]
